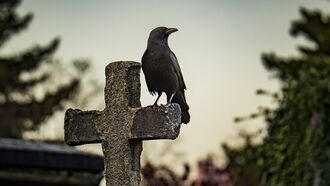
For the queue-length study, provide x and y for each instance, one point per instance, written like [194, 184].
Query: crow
[162, 71]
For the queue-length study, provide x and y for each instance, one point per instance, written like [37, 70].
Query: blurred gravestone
[30, 163]
[123, 124]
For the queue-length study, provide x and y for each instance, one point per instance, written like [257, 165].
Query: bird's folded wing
[177, 70]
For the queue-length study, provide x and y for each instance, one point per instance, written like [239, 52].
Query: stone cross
[122, 125]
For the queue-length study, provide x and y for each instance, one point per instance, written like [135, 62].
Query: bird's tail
[180, 98]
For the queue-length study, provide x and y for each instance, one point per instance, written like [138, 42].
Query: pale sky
[218, 45]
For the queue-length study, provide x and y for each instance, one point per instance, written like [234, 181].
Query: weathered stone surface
[122, 84]
[122, 92]
[157, 122]
[80, 127]
[123, 124]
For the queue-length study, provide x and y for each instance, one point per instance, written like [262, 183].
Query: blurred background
[257, 76]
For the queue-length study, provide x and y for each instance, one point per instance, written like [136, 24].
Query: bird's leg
[170, 100]
[159, 94]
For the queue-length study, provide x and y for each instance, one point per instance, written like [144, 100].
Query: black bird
[162, 71]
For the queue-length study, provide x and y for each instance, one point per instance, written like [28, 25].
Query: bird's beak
[171, 30]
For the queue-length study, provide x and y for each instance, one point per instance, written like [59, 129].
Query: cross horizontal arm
[80, 127]
[156, 122]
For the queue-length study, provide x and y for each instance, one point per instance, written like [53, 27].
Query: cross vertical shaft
[122, 93]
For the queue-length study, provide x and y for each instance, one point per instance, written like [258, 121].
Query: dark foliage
[296, 150]
[19, 116]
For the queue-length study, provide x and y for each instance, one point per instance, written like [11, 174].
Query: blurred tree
[208, 174]
[245, 163]
[19, 115]
[296, 150]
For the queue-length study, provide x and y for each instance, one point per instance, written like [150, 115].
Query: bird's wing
[177, 70]
[145, 61]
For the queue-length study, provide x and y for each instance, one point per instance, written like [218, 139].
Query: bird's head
[159, 35]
